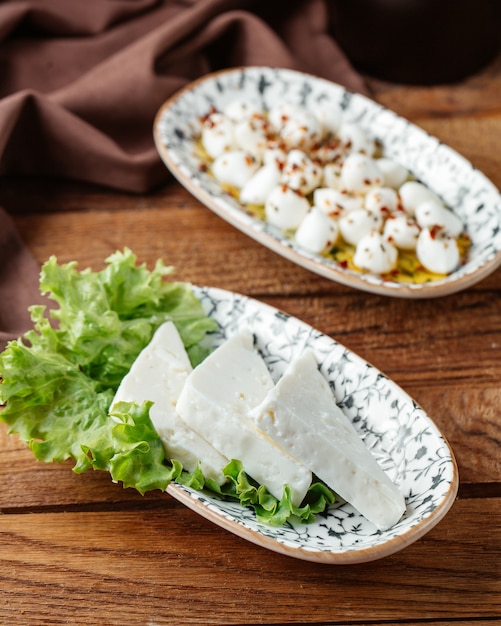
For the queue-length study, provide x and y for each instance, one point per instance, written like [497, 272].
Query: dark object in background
[417, 41]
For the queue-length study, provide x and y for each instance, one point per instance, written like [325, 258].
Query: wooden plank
[170, 566]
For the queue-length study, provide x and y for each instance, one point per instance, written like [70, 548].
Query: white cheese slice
[301, 414]
[215, 402]
[158, 374]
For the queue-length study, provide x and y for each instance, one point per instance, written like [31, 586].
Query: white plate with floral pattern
[399, 434]
[462, 187]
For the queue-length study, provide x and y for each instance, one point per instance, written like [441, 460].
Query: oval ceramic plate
[399, 434]
[455, 180]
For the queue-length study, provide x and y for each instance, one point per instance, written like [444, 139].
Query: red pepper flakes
[206, 119]
[435, 231]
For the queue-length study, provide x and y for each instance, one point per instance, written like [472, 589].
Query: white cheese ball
[329, 116]
[334, 202]
[275, 156]
[375, 254]
[394, 174]
[332, 175]
[218, 134]
[242, 108]
[413, 193]
[402, 231]
[282, 113]
[360, 173]
[328, 152]
[234, 168]
[431, 213]
[437, 252]
[357, 224]
[260, 185]
[285, 208]
[302, 130]
[300, 172]
[317, 231]
[356, 139]
[381, 199]
[251, 135]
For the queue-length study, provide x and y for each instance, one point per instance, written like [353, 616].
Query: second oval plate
[399, 434]
[471, 195]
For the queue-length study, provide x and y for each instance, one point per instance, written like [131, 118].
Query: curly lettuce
[58, 381]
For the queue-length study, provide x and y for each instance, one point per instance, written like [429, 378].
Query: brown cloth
[81, 82]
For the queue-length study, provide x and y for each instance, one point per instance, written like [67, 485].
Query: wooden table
[79, 549]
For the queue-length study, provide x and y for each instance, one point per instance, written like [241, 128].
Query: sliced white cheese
[215, 402]
[301, 414]
[158, 375]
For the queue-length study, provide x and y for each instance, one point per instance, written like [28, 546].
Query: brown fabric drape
[80, 83]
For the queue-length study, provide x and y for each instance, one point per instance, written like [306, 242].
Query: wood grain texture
[168, 566]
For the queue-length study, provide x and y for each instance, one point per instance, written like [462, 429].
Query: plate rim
[432, 289]
[352, 555]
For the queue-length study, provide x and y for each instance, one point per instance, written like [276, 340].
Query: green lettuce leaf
[58, 381]
[268, 509]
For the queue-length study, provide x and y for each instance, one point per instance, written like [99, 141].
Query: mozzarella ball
[332, 175]
[328, 152]
[375, 254]
[234, 168]
[394, 174]
[413, 193]
[285, 208]
[242, 108]
[317, 231]
[260, 185]
[360, 173]
[437, 252]
[302, 130]
[430, 214]
[381, 199]
[356, 139]
[402, 231]
[251, 135]
[334, 202]
[218, 134]
[358, 223]
[300, 172]
[329, 116]
[282, 113]
[275, 156]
